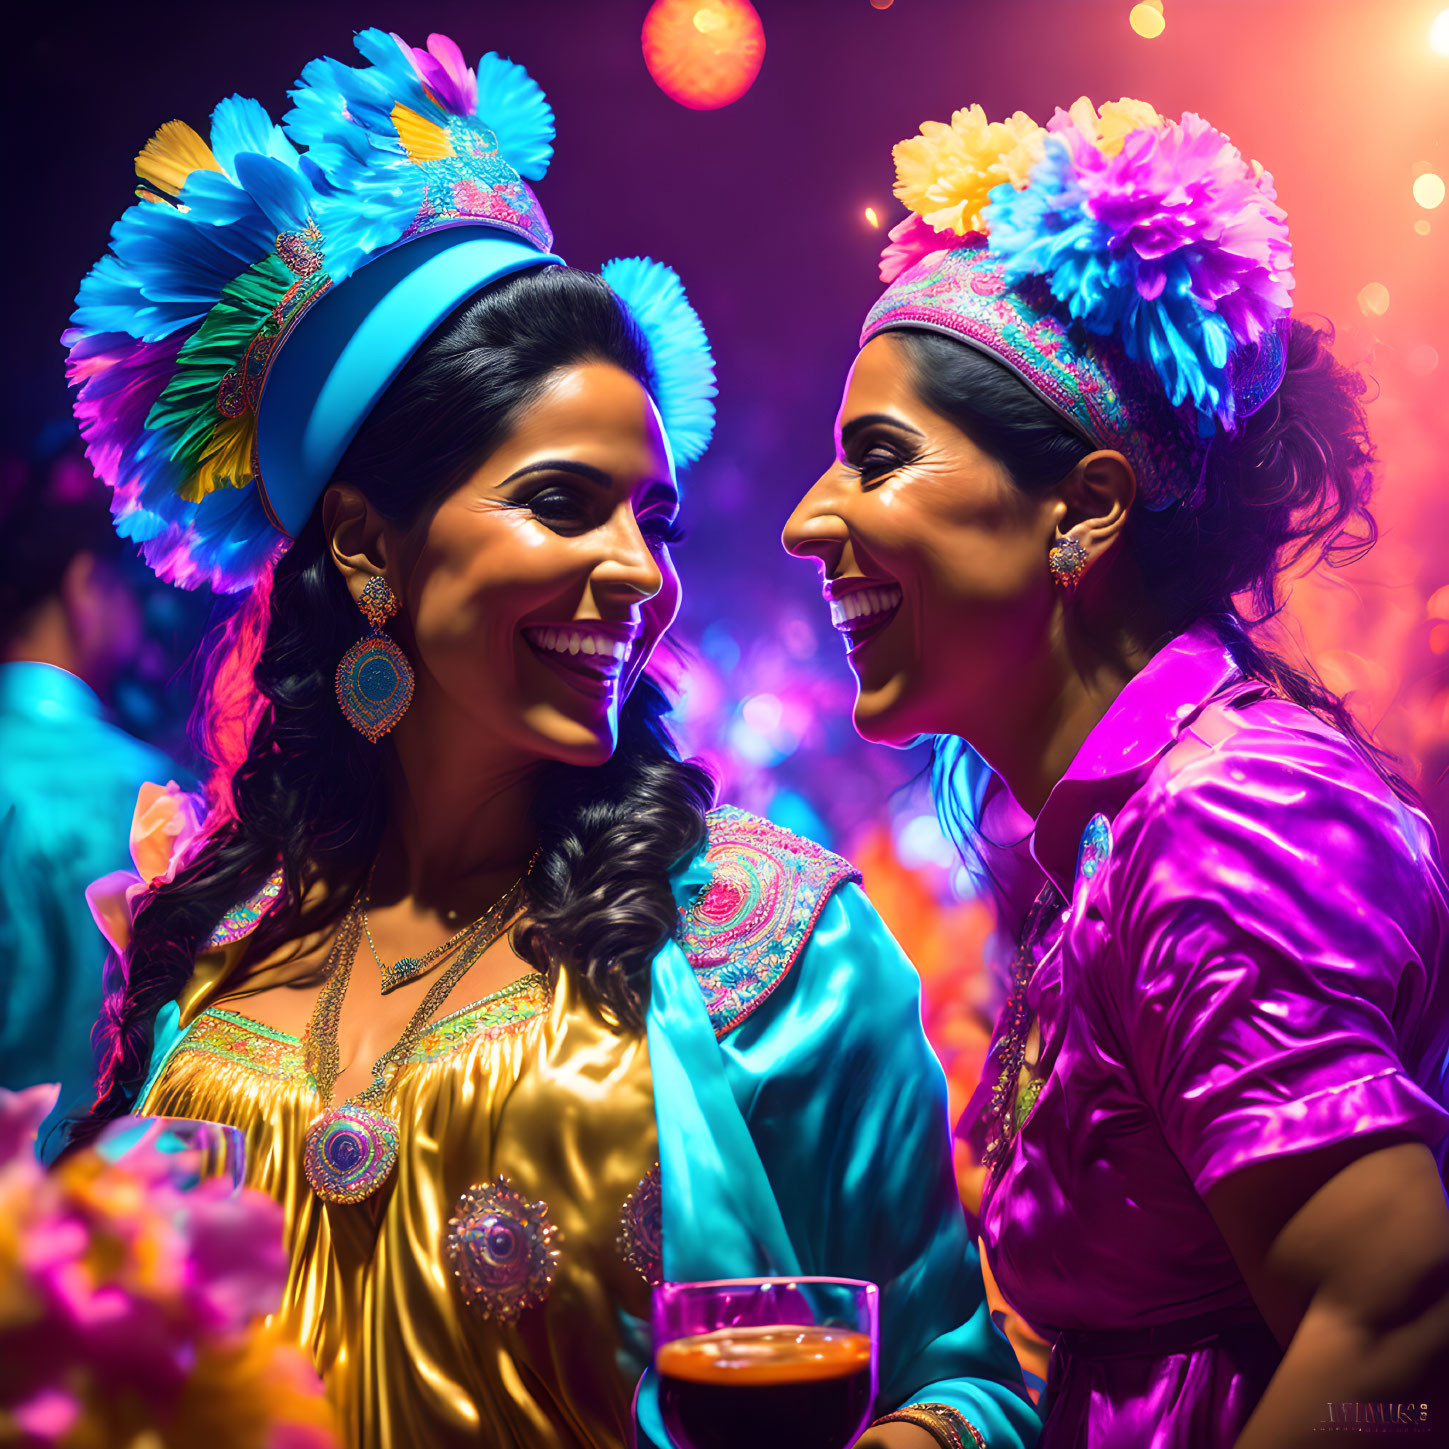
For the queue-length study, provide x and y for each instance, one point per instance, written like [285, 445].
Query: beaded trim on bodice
[229, 1037]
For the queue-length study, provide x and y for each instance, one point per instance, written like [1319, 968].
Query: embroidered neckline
[232, 1036]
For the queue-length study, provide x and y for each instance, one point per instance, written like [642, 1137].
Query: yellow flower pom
[1109, 128]
[945, 175]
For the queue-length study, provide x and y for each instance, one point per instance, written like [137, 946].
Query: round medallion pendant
[349, 1152]
[501, 1247]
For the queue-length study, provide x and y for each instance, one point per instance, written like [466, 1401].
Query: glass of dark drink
[756, 1361]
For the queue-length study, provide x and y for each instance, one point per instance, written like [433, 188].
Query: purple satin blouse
[1252, 962]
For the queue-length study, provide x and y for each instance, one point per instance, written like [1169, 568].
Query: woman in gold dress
[513, 1023]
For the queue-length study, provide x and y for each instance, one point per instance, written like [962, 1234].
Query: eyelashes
[566, 513]
[875, 464]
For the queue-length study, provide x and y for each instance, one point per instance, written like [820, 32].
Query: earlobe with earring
[374, 678]
[1067, 561]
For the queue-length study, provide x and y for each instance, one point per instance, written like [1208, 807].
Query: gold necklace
[349, 1151]
[409, 968]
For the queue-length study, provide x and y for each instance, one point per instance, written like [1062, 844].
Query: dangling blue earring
[374, 679]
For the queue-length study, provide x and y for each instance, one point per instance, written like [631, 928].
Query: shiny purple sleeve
[1277, 977]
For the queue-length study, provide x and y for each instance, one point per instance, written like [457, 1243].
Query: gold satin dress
[532, 1085]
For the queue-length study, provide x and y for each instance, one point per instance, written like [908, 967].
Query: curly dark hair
[295, 785]
[1289, 488]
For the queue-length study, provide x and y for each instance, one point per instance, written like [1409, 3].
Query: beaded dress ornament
[1134, 272]
[641, 1229]
[374, 678]
[502, 1249]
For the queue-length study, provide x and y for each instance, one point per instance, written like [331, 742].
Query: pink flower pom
[912, 241]
[1182, 195]
[443, 70]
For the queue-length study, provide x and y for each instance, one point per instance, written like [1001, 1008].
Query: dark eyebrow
[561, 465]
[870, 420]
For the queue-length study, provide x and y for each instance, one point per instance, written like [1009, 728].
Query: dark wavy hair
[295, 785]
[1290, 488]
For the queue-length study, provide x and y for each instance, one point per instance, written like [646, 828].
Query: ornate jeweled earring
[374, 678]
[1068, 562]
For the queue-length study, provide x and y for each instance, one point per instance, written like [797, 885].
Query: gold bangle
[950, 1428]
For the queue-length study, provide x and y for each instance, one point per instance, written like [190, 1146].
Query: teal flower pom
[678, 349]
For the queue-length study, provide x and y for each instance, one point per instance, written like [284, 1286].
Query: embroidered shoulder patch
[744, 931]
[242, 920]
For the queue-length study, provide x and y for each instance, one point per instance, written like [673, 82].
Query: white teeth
[863, 604]
[609, 652]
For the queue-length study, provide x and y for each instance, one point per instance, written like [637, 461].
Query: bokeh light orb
[703, 53]
[1439, 32]
[1373, 300]
[1421, 361]
[1147, 20]
[1429, 190]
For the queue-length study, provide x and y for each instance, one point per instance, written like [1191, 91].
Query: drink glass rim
[779, 1278]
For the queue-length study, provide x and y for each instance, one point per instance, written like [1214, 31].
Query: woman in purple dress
[1081, 442]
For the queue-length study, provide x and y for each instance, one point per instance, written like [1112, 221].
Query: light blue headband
[332, 372]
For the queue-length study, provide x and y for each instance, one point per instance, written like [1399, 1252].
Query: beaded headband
[1134, 272]
[272, 281]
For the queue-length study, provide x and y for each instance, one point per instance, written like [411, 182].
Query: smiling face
[536, 593]
[933, 560]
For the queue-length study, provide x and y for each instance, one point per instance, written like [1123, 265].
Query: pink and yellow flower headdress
[1134, 271]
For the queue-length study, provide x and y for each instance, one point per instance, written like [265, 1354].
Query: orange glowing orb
[703, 53]
[1439, 33]
[1147, 20]
[1422, 227]
[871, 216]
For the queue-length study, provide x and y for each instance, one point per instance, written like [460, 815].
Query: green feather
[185, 414]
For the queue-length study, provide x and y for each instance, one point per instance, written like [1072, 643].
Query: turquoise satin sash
[814, 1138]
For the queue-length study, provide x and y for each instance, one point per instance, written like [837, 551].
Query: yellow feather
[171, 155]
[227, 461]
[422, 140]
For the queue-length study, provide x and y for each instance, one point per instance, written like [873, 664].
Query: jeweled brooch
[501, 1246]
[641, 1229]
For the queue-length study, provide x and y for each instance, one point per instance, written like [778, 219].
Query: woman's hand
[897, 1436]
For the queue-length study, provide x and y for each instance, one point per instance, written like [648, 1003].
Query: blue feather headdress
[209, 348]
